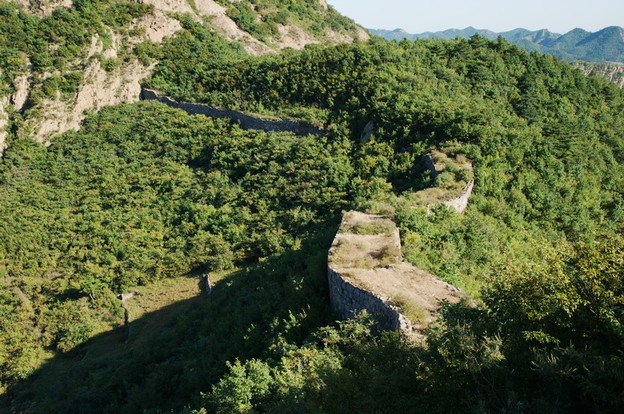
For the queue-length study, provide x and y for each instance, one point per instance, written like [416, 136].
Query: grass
[178, 351]
[157, 297]
[431, 196]
[381, 226]
[346, 254]
[367, 262]
[389, 255]
[342, 252]
[414, 312]
[380, 208]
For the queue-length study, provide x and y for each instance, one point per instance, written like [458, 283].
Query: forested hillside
[143, 193]
[62, 58]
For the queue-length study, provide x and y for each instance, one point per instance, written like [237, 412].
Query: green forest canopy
[144, 192]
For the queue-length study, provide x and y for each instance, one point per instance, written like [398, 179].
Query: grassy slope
[177, 349]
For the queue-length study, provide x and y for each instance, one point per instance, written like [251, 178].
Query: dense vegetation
[547, 147]
[144, 192]
[544, 137]
[256, 313]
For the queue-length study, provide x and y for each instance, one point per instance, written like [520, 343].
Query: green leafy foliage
[256, 313]
[548, 168]
[542, 136]
[145, 192]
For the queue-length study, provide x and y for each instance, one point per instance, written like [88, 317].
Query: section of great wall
[366, 271]
[246, 121]
[437, 163]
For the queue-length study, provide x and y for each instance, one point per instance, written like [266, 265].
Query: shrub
[381, 226]
[414, 312]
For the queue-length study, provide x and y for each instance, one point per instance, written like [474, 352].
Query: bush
[381, 226]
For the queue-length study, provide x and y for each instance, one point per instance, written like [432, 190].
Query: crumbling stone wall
[460, 203]
[348, 299]
[246, 121]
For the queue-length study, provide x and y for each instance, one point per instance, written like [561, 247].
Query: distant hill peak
[606, 45]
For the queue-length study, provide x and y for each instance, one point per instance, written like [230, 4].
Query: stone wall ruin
[382, 287]
[246, 121]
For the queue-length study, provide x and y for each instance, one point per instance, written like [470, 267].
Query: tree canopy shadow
[179, 351]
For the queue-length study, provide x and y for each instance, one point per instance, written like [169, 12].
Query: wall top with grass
[366, 271]
[453, 178]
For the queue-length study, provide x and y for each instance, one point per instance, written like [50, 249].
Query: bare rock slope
[611, 71]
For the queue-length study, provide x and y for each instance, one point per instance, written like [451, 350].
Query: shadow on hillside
[177, 352]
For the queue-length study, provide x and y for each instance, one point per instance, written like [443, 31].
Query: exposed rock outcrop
[100, 87]
[43, 7]
[4, 123]
[611, 71]
[21, 84]
[217, 17]
[158, 26]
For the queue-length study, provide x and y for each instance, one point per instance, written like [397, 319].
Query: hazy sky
[417, 16]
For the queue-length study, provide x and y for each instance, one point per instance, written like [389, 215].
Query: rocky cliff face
[4, 123]
[611, 71]
[101, 86]
[43, 7]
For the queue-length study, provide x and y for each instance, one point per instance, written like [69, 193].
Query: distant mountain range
[606, 45]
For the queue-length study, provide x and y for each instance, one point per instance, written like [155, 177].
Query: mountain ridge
[605, 45]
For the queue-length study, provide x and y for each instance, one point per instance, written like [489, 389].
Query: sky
[416, 16]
